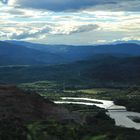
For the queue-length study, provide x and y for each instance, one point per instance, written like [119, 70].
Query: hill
[75, 53]
[28, 107]
[11, 54]
[101, 69]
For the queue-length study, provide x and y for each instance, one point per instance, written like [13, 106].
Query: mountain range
[14, 54]
[25, 53]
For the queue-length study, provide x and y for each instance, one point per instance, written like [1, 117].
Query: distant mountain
[74, 53]
[25, 53]
[14, 54]
[129, 41]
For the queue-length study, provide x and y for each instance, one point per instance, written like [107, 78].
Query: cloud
[85, 21]
[72, 28]
[129, 38]
[68, 5]
[124, 5]
[4, 1]
[20, 31]
[25, 35]
[84, 28]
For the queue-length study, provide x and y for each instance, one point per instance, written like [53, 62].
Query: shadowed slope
[28, 107]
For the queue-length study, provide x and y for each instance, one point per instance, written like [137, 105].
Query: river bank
[121, 116]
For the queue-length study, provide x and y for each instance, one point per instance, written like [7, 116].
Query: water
[121, 118]
[118, 113]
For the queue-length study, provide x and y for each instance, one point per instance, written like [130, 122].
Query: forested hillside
[102, 69]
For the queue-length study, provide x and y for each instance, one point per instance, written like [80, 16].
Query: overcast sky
[70, 21]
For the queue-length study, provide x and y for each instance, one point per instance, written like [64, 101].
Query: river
[121, 116]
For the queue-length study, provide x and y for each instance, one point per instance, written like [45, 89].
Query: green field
[90, 91]
[129, 97]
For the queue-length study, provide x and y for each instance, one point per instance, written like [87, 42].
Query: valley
[83, 101]
[94, 98]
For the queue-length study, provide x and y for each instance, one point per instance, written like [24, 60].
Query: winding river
[121, 116]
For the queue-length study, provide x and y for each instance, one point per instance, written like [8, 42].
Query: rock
[15, 103]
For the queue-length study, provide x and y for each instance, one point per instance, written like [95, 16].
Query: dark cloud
[66, 5]
[4, 1]
[84, 28]
[63, 5]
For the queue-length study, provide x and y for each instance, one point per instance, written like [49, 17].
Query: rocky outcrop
[15, 103]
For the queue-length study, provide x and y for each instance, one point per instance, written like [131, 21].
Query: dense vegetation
[102, 71]
[95, 125]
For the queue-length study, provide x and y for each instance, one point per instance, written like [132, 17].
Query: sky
[75, 22]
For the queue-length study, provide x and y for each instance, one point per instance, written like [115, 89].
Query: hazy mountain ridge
[74, 53]
[12, 54]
